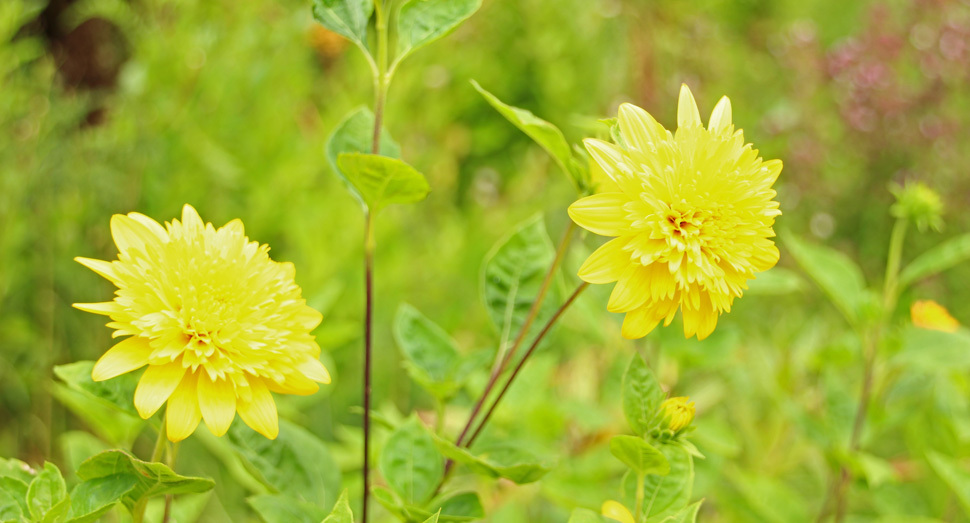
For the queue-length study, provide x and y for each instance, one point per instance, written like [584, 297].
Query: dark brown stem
[523, 331]
[525, 357]
[368, 320]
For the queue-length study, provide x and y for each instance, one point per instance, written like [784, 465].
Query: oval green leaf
[347, 18]
[641, 396]
[410, 463]
[938, 259]
[639, 455]
[381, 181]
[421, 22]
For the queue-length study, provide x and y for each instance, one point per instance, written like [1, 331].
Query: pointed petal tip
[687, 113]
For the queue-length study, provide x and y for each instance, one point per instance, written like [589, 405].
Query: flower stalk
[381, 81]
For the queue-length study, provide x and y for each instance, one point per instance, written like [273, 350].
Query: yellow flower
[927, 314]
[218, 323]
[615, 510]
[691, 212]
[678, 412]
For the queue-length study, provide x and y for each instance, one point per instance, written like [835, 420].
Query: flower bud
[919, 204]
[677, 412]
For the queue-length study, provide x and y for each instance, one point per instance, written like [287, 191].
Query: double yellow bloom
[691, 213]
[219, 324]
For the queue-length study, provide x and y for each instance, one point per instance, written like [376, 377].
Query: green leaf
[639, 455]
[355, 134]
[666, 495]
[642, 396]
[548, 136]
[341, 511]
[776, 281]
[585, 515]
[687, 515]
[433, 518]
[118, 392]
[11, 507]
[838, 276]
[464, 506]
[421, 22]
[507, 460]
[390, 501]
[93, 498]
[280, 508]
[948, 254]
[13, 498]
[347, 18]
[430, 355]
[152, 479]
[14, 468]
[45, 491]
[771, 499]
[381, 181]
[512, 276]
[296, 463]
[410, 463]
[932, 350]
[954, 475]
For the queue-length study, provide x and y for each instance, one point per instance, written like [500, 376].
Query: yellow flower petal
[313, 369]
[614, 510]
[124, 357]
[687, 113]
[638, 323]
[295, 383]
[639, 128]
[721, 116]
[104, 269]
[191, 220]
[606, 264]
[928, 314]
[129, 234]
[151, 225]
[106, 308]
[156, 385]
[628, 293]
[217, 402]
[259, 411]
[601, 213]
[700, 320]
[182, 415]
[607, 155]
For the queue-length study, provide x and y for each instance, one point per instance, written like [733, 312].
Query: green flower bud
[919, 204]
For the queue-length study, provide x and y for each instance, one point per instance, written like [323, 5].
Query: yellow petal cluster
[691, 214]
[219, 325]
[927, 314]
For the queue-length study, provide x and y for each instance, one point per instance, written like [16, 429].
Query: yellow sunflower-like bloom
[218, 323]
[927, 314]
[691, 212]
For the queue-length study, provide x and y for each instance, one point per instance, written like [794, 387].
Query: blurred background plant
[111, 106]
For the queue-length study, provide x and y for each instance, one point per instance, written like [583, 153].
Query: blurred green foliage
[228, 105]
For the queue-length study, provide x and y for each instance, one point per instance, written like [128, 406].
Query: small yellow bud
[919, 204]
[927, 314]
[615, 510]
[678, 412]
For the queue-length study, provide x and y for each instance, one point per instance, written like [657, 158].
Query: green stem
[871, 339]
[381, 77]
[891, 290]
[161, 445]
[639, 513]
